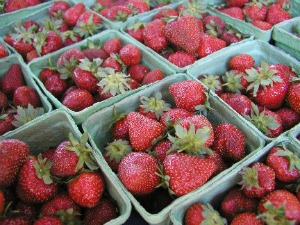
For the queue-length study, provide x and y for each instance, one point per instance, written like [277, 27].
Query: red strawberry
[78, 99]
[163, 13]
[179, 32]
[34, 181]
[236, 202]
[87, 189]
[257, 180]
[3, 51]
[13, 5]
[94, 53]
[57, 9]
[209, 44]
[18, 220]
[213, 24]
[289, 118]
[49, 154]
[161, 148]
[236, 3]
[262, 25]
[154, 35]
[55, 85]
[138, 6]
[12, 79]
[180, 167]
[240, 103]
[136, 31]
[234, 81]
[13, 154]
[212, 82]
[277, 14]
[140, 124]
[174, 115]
[31, 55]
[53, 220]
[234, 12]
[104, 212]
[3, 101]
[188, 94]
[138, 173]
[293, 96]
[68, 55]
[153, 76]
[25, 95]
[279, 206]
[285, 163]
[47, 42]
[113, 45]
[241, 62]
[219, 162]
[182, 59]
[229, 142]
[246, 218]
[138, 72]
[117, 13]
[88, 24]
[46, 73]
[130, 55]
[202, 213]
[256, 11]
[120, 128]
[6, 123]
[72, 14]
[113, 63]
[70, 37]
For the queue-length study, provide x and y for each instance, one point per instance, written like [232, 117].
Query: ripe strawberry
[72, 14]
[78, 99]
[180, 167]
[179, 33]
[3, 51]
[112, 45]
[112, 62]
[49, 154]
[153, 76]
[25, 95]
[229, 142]
[214, 25]
[12, 5]
[209, 44]
[277, 14]
[256, 11]
[262, 25]
[18, 220]
[138, 6]
[138, 72]
[285, 163]
[120, 127]
[257, 180]
[202, 213]
[3, 101]
[87, 189]
[241, 62]
[246, 218]
[219, 162]
[57, 9]
[164, 13]
[13, 154]
[117, 13]
[136, 31]
[6, 123]
[31, 55]
[289, 118]
[34, 181]
[130, 55]
[182, 59]
[55, 85]
[140, 124]
[154, 35]
[68, 55]
[88, 24]
[70, 37]
[53, 220]
[47, 42]
[280, 206]
[11, 80]
[2, 201]
[234, 12]
[293, 96]
[161, 148]
[188, 94]
[236, 3]
[174, 115]
[236, 202]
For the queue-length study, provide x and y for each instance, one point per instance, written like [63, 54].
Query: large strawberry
[187, 172]
[241, 62]
[246, 218]
[169, 118]
[12, 79]
[13, 154]
[277, 14]
[138, 173]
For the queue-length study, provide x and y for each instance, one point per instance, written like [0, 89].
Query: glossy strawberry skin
[293, 96]
[182, 59]
[55, 85]
[25, 95]
[246, 218]
[154, 35]
[12, 79]
[130, 55]
[72, 14]
[174, 115]
[85, 80]
[78, 99]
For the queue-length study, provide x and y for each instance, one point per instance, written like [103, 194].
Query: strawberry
[112, 62]
[285, 163]
[202, 213]
[234, 12]
[138, 173]
[256, 11]
[49, 154]
[138, 72]
[166, 12]
[182, 59]
[88, 24]
[2, 201]
[73, 13]
[31, 55]
[293, 96]
[53, 220]
[120, 127]
[231, 35]
[55, 85]
[138, 6]
[187, 172]
[257, 180]
[47, 42]
[47, 72]
[6, 123]
[70, 37]
[18, 220]
[57, 9]
[136, 31]
[78, 99]
[179, 33]
[161, 148]
[277, 14]
[117, 13]
[241, 62]
[153, 76]
[262, 25]
[34, 182]
[12, 5]
[13, 154]
[234, 81]
[214, 25]
[174, 115]
[236, 3]
[209, 44]
[236, 202]
[112, 45]
[219, 162]
[229, 142]
[12, 79]
[3, 51]
[87, 189]
[3, 101]
[25, 95]
[279, 206]
[130, 55]
[246, 218]
[137, 124]
[240, 103]
[289, 118]
[188, 94]
[212, 82]
[104, 212]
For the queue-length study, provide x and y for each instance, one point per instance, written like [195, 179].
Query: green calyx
[68, 216]
[67, 68]
[259, 3]
[165, 179]
[92, 44]
[233, 81]
[83, 152]
[194, 8]
[53, 25]
[42, 169]
[91, 66]
[117, 150]
[249, 178]
[136, 26]
[190, 141]
[97, 7]
[262, 77]
[213, 29]
[294, 161]
[40, 41]
[24, 115]
[212, 82]
[121, 16]
[21, 33]
[89, 28]
[69, 34]
[211, 216]
[155, 104]
[204, 108]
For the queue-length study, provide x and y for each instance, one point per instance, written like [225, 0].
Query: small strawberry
[25, 95]
[112, 45]
[182, 59]
[219, 162]
[130, 55]
[55, 85]
[153, 76]
[256, 11]
[289, 118]
[262, 25]
[87, 189]
[78, 99]
[138, 6]
[234, 81]
[138, 173]
[138, 72]
[136, 31]
[113, 63]
[209, 44]
[234, 12]
[117, 13]
[161, 148]
[47, 42]
[165, 13]
[57, 9]
[88, 24]
[31, 56]
[3, 51]
[12, 79]
[120, 126]
[202, 213]
[241, 62]
[53, 220]
[285, 163]
[246, 218]
[6, 122]
[236, 3]
[73, 13]
[13, 154]
[293, 96]
[3, 101]
[239, 102]
[277, 14]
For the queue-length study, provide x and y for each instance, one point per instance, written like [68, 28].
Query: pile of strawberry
[185, 34]
[7, 6]
[267, 95]
[19, 103]
[269, 193]
[66, 25]
[121, 10]
[62, 185]
[174, 148]
[3, 51]
[96, 73]
[263, 14]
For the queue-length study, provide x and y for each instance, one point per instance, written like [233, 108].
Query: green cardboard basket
[218, 190]
[258, 49]
[97, 126]
[51, 131]
[285, 40]
[294, 133]
[5, 64]
[147, 59]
